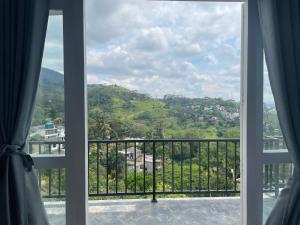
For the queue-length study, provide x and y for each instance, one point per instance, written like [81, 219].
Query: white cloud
[183, 48]
[53, 50]
[152, 39]
[212, 58]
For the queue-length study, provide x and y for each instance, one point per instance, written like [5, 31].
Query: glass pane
[275, 176]
[163, 110]
[47, 132]
[52, 186]
[273, 138]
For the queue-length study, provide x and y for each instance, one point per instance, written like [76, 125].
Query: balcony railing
[202, 167]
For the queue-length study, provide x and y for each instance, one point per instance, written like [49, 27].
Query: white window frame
[251, 116]
[76, 159]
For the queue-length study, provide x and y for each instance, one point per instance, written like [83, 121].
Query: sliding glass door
[64, 166]
[59, 121]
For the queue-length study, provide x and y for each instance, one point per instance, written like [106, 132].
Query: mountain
[50, 78]
[117, 112]
[50, 97]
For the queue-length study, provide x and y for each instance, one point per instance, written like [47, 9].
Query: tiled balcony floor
[175, 211]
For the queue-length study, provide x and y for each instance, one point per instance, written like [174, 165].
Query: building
[135, 157]
[49, 133]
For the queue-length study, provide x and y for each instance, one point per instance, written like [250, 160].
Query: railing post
[40, 148]
[30, 148]
[154, 200]
[266, 176]
[276, 180]
[277, 144]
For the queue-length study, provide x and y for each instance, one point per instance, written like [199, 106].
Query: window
[276, 171]
[48, 119]
[170, 71]
[76, 160]
[47, 132]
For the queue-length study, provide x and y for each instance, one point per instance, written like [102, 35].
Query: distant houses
[137, 161]
[214, 120]
[49, 133]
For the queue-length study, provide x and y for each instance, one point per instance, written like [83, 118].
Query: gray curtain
[22, 34]
[280, 25]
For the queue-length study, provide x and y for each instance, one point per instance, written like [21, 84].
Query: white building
[139, 160]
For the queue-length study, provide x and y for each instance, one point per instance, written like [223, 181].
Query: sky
[189, 49]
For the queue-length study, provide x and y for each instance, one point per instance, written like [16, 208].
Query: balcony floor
[175, 211]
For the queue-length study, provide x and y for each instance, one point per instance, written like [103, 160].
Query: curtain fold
[280, 25]
[23, 26]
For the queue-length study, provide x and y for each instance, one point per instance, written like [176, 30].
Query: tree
[58, 121]
[99, 128]
[115, 163]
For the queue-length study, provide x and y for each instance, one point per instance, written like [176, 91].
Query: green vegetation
[115, 112]
[118, 113]
[194, 167]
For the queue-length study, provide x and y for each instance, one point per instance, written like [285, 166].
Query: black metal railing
[202, 167]
[274, 143]
[275, 175]
[46, 147]
[176, 166]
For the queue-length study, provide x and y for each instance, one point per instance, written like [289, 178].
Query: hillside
[51, 79]
[116, 112]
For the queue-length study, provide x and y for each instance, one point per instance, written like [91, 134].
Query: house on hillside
[131, 153]
[135, 160]
[49, 133]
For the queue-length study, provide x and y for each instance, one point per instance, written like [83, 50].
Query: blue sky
[190, 49]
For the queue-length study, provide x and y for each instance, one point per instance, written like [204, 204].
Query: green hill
[116, 112]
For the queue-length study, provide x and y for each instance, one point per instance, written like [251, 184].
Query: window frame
[76, 159]
[251, 116]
